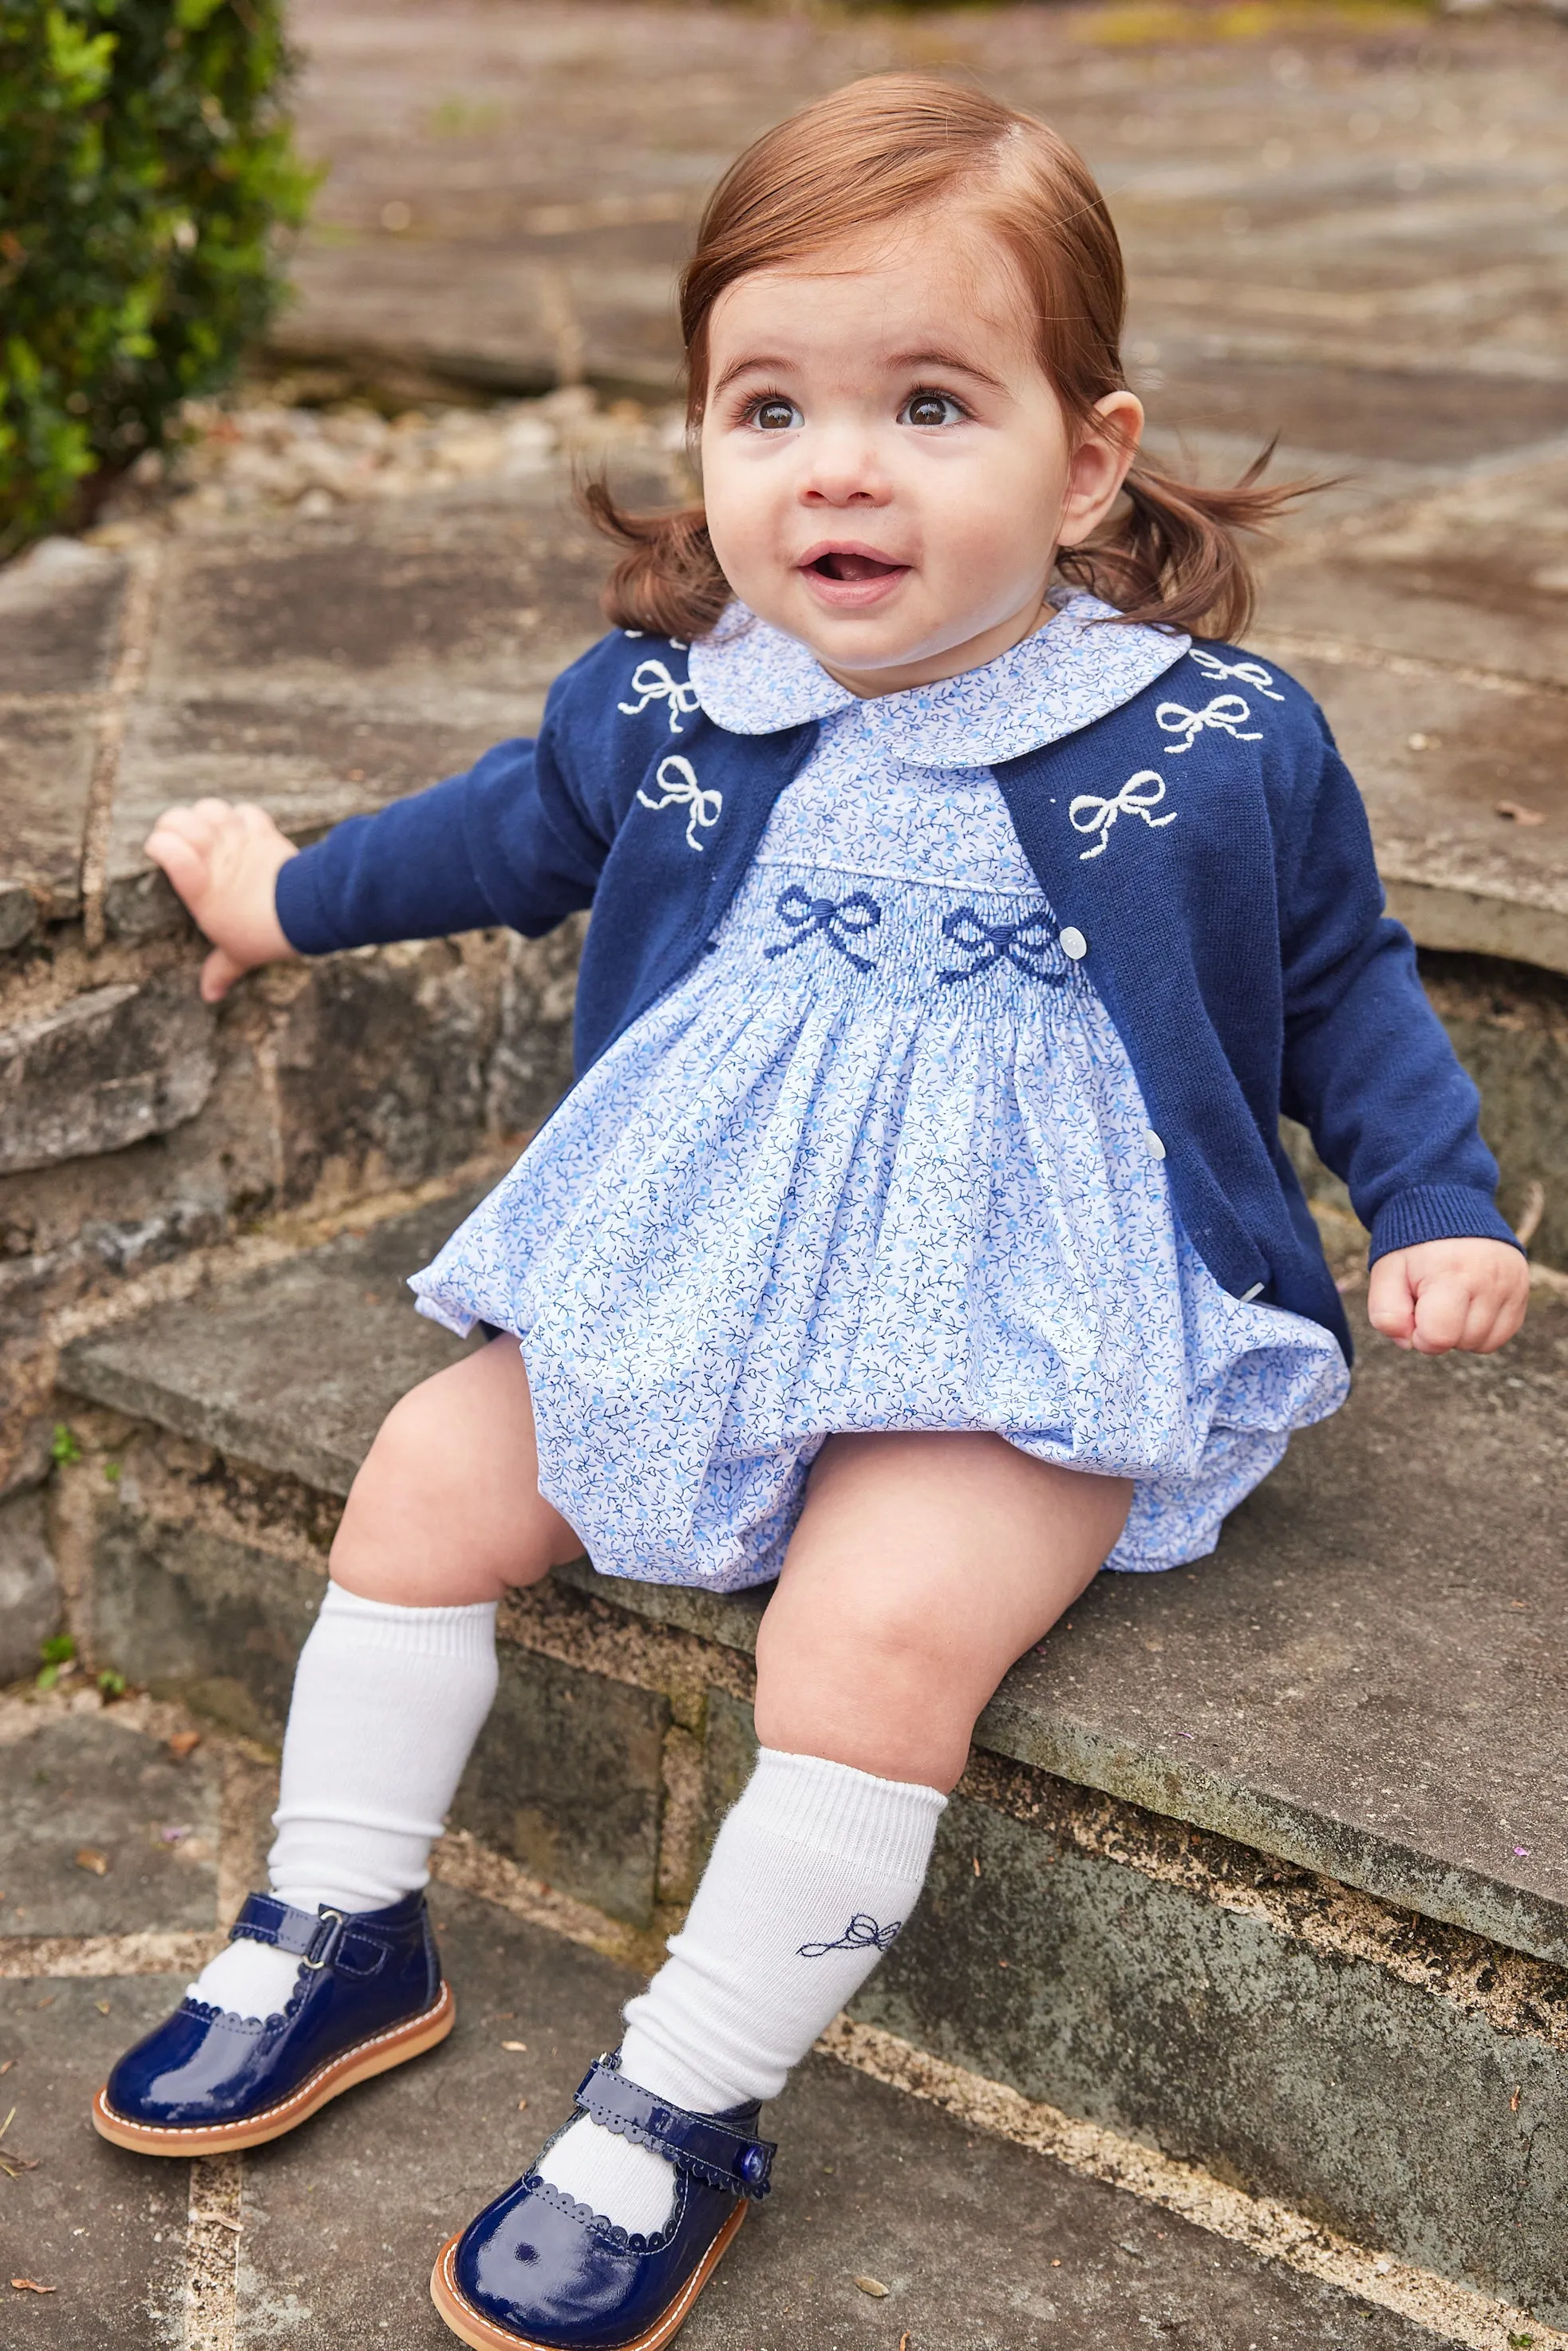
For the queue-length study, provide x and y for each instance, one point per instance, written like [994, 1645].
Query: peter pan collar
[752, 679]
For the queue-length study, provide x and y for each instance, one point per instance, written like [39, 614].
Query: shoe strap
[706, 2145]
[310, 1936]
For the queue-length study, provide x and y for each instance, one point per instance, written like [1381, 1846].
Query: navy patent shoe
[539, 2272]
[368, 1994]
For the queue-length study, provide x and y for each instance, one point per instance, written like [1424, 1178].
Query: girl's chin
[888, 629]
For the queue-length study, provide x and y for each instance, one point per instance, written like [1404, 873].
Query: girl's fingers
[1390, 1301]
[1494, 1318]
[219, 974]
[182, 824]
[186, 863]
[1442, 1311]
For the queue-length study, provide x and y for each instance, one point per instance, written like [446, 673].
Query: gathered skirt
[878, 1162]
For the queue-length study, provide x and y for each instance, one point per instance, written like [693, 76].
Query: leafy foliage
[146, 172]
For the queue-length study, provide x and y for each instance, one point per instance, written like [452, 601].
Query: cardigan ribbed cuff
[1437, 1212]
[887, 1825]
[297, 902]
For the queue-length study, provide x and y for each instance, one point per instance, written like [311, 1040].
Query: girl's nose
[843, 471]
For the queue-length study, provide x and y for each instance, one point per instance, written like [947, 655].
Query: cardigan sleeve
[1368, 1067]
[506, 843]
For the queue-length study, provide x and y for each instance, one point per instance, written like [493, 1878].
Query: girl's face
[887, 472]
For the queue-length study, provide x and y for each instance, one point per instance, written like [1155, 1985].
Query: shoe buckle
[329, 1946]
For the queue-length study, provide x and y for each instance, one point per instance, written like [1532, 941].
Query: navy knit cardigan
[1223, 887]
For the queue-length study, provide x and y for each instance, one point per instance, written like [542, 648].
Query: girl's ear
[1105, 451]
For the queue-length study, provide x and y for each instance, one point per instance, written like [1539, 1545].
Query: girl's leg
[399, 1672]
[921, 1568]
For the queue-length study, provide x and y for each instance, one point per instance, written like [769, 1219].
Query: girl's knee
[411, 1532]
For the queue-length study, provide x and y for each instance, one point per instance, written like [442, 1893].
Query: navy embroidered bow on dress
[1024, 945]
[839, 920]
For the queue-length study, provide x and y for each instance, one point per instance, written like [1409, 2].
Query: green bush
[146, 172]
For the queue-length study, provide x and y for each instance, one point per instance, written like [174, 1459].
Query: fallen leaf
[522, 2106]
[520, 2045]
[101, 2006]
[7, 2065]
[183, 1743]
[872, 2286]
[1513, 2101]
[904, 2343]
[86, 1858]
[1519, 813]
[31, 2286]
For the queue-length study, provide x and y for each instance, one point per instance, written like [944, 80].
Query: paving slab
[104, 1830]
[1366, 1679]
[103, 2230]
[325, 664]
[1473, 574]
[982, 2245]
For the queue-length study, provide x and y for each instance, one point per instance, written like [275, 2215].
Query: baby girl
[917, 1239]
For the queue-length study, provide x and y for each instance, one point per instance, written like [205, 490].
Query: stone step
[1259, 1862]
[930, 2220]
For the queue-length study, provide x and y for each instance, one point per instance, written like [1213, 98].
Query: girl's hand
[223, 861]
[1442, 1294]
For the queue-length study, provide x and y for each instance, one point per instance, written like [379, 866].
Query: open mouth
[839, 563]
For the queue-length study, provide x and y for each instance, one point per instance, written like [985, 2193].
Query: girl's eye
[775, 415]
[931, 408]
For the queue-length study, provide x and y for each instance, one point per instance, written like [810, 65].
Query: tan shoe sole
[470, 2325]
[356, 2064]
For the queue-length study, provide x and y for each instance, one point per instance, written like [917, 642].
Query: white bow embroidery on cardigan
[1138, 795]
[1250, 673]
[677, 779]
[653, 680]
[1227, 711]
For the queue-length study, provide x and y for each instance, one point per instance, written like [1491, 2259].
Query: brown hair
[874, 152]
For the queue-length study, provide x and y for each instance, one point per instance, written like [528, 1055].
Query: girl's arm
[503, 844]
[1370, 1072]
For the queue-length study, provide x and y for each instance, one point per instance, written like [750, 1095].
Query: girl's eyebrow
[950, 361]
[753, 363]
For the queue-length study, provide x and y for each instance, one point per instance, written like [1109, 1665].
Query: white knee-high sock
[387, 1703]
[812, 1875]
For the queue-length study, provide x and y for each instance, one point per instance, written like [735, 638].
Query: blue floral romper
[879, 1161]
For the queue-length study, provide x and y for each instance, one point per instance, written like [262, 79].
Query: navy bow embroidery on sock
[861, 1934]
[839, 920]
[1024, 945]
